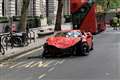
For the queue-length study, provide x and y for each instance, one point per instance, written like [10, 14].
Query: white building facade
[46, 8]
[0, 7]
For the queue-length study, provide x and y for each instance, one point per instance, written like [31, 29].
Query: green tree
[23, 18]
[108, 4]
[59, 15]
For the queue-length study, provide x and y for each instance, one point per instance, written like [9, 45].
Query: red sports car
[72, 42]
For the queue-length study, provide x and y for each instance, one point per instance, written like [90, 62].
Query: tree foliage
[108, 4]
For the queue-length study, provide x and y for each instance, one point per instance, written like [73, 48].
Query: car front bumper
[52, 50]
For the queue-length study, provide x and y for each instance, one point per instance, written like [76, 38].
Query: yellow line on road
[40, 63]
[48, 63]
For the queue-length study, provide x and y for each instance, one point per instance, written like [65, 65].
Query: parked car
[45, 30]
[73, 42]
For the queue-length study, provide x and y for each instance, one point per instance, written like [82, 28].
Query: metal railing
[13, 39]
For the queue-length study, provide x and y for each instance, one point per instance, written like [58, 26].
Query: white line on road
[28, 65]
[16, 65]
[51, 69]
[28, 53]
[41, 76]
[1, 65]
[60, 62]
[48, 63]
[107, 74]
[55, 63]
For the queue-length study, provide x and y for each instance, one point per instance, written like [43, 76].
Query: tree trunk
[59, 16]
[23, 20]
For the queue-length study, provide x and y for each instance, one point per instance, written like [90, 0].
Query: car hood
[62, 42]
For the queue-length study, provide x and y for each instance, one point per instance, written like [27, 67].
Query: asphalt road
[103, 63]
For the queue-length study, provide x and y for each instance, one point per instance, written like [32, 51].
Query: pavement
[16, 51]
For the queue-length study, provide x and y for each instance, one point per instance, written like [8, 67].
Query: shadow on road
[55, 57]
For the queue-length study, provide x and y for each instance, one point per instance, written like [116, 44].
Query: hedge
[3, 19]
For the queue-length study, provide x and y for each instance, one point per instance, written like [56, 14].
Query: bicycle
[1, 46]
[12, 40]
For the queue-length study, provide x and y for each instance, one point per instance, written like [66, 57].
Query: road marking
[107, 74]
[60, 62]
[55, 63]
[48, 63]
[26, 65]
[39, 64]
[29, 64]
[16, 65]
[41, 76]
[1, 65]
[28, 53]
[51, 69]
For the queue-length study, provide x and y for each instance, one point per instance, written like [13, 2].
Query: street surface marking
[51, 69]
[41, 76]
[16, 65]
[39, 64]
[55, 63]
[26, 65]
[48, 63]
[1, 65]
[29, 64]
[107, 74]
[28, 53]
[60, 62]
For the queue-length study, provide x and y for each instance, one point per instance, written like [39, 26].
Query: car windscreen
[73, 34]
[69, 34]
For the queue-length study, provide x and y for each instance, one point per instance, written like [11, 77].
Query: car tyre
[74, 51]
[85, 49]
[45, 51]
[78, 49]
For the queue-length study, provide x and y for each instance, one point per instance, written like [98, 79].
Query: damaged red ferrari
[73, 42]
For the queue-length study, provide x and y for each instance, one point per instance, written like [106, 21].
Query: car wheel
[78, 49]
[44, 54]
[85, 49]
[45, 51]
[74, 51]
